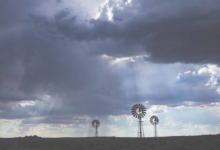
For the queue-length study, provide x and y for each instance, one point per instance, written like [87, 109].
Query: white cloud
[187, 72]
[110, 14]
[214, 72]
[27, 103]
[120, 60]
[157, 109]
[116, 118]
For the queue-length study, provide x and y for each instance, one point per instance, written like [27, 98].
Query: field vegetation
[207, 142]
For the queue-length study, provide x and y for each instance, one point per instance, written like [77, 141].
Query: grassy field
[207, 142]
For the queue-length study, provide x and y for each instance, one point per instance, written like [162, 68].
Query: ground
[206, 142]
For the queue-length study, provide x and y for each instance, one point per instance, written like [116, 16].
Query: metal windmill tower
[96, 124]
[154, 121]
[139, 111]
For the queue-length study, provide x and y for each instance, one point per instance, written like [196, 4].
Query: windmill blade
[133, 111]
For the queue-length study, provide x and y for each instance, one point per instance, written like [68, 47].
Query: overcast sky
[64, 63]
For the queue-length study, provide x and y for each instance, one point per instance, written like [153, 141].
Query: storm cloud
[167, 31]
[56, 63]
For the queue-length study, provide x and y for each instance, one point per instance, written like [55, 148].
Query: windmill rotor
[95, 123]
[138, 111]
[154, 120]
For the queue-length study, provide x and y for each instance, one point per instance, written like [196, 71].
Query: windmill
[96, 124]
[139, 111]
[154, 121]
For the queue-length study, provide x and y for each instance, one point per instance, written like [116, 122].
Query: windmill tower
[139, 111]
[154, 121]
[96, 124]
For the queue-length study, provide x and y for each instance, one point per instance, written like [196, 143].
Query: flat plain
[205, 142]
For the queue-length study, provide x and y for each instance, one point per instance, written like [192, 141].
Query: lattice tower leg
[140, 129]
[96, 132]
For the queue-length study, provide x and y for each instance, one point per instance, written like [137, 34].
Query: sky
[64, 63]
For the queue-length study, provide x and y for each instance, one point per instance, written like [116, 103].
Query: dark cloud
[13, 12]
[181, 31]
[168, 31]
[55, 61]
